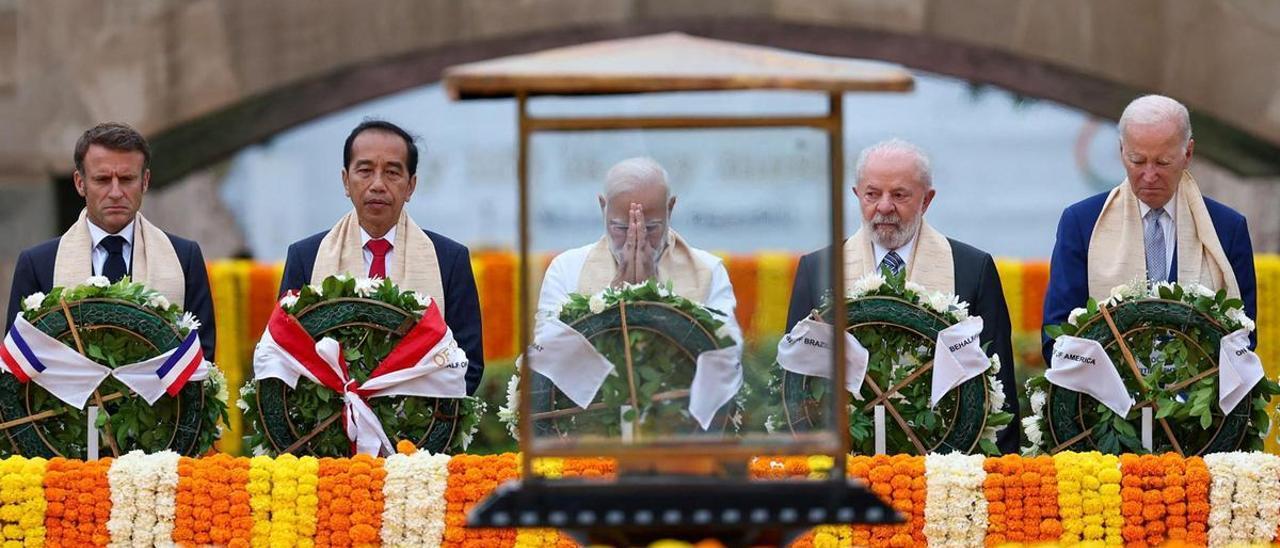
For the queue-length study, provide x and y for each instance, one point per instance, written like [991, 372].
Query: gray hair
[896, 146]
[1154, 109]
[632, 173]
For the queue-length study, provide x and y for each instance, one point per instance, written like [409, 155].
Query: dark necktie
[114, 268]
[892, 261]
[378, 266]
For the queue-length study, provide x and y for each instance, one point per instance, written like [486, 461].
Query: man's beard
[893, 237]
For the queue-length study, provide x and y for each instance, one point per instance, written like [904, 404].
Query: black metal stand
[636, 511]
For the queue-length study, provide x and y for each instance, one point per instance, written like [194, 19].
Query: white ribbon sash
[957, 358]
[1239, 370]
[32, 356]
[806, 350]
[717, 378]
[1082, 365]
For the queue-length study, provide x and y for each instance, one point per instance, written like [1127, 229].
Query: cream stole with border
[414, 267]
[155, 262]
[689, 277]
[930, 264]
[1117, 251]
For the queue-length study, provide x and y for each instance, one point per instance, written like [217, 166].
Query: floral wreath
[895, 320]
[366, 317]
[660, 362]
[117, 324]
[1175, 330]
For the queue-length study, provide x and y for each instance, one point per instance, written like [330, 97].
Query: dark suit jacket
[34, 272]
[977, 283]
[1069, 269]
[462, 303]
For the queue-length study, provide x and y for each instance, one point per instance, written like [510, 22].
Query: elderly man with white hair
[1154, 226]
[894, 188]
[638, 245]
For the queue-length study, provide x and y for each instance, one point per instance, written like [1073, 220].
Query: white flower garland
[1244, 498]
[413, 499]
[955, 507]
[143, 499]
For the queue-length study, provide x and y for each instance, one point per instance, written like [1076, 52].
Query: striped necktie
[893, 262]
[1157, 267]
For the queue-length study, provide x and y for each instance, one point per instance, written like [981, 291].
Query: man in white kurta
[639, 245]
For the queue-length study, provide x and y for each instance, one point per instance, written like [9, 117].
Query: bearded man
[894, 188]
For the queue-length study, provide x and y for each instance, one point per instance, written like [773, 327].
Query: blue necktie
[893, 262]
[1157, 267]
[114, 267]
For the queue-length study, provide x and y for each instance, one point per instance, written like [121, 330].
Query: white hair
[896, 146]
[633, 173]
[1155, 109]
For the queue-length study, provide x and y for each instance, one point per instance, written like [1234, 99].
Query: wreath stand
[657, 494]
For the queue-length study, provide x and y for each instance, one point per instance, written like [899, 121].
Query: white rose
[596, 303]
[1031, 427]
[1237, 315]
[159, 301]
[1199, 290]
[317, 289]
[1037, 402]
[33, 301]
[289, 299]
[940, 302]
[98, 281]
[916, 288]
[996, 395]
[868, 283]
[423, 299]
[1075, 315]
[189, 322]
[366, 286]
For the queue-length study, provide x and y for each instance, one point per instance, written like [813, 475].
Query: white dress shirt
[99, 255]
[562, 276]
[1169, 224]
[904, 252]
[390, 236]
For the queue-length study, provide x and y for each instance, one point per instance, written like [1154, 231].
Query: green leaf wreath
[134, 424]
[896, 351]
[1174, 357]
[661, 365]
[310, 405]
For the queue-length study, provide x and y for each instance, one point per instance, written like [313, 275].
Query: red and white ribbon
[426, 363]
[32, 356]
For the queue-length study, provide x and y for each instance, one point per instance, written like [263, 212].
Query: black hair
[382, 125]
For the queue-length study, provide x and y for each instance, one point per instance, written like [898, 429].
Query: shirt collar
[390, 236]
[904, 252]
[97, 233]
[1170, 208]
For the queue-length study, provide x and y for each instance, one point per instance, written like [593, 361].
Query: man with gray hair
[1154, 226]
[894, 188]
[638, 245]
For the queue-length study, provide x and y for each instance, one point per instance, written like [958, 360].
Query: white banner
[716, 380]
[1082, 365]
[806, 350]
[561, 354]
[32, 356]
[957, 357]
[1239, 370]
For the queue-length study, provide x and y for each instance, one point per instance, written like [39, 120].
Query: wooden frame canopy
[676, 62]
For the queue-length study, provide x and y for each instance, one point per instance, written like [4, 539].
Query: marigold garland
[22, 501]
[1089, 498]
[414, 498]
[350, 501]
[955, 508]
[78, 497]
[471, 479]
[1022, 500]
[213, 502]
[1244, 498]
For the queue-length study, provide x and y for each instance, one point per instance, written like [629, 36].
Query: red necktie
[378, 266]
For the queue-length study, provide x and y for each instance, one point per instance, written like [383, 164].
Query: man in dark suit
[377, 239]
[894, 189]
[112, 239]
[1153, 226]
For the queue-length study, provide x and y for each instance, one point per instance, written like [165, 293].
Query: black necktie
[114, 268]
